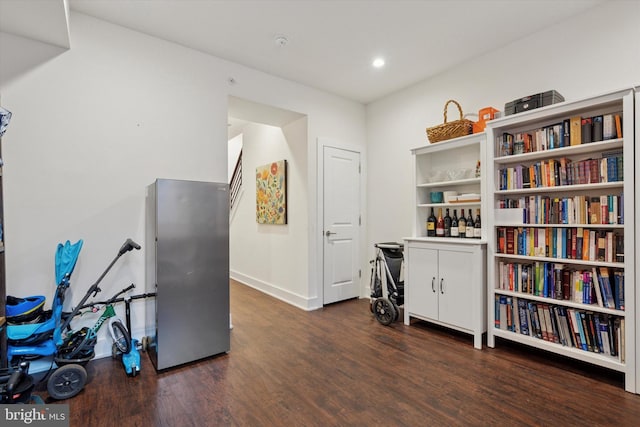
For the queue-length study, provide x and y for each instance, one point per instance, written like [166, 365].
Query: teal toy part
[66, 258]
[131, 360]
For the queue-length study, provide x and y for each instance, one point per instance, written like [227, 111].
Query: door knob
[329, 233]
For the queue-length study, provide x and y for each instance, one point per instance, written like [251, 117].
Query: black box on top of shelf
[533, 101]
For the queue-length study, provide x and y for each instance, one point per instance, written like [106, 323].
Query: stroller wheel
[66, 381]
[384, 311]
[397, 309]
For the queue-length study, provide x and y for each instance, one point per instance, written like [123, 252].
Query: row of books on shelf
[573, 131]
[581, 329]
[566, 243]
[562, 171]
[599, 286]
[538, 209]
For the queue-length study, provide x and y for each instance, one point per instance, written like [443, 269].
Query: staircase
[236, 183]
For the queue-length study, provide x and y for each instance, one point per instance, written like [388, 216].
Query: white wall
[267, 256]
[93, 126]
[588, 55]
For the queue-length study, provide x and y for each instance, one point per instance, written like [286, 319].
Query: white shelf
[451, 144]
[619, 102]
[561, 260]
[523, 225]
[453, 183]
[442, 157]
[449, 205]
[563, 188]
[448, 240]
[566, 303]
[594, 147]
[598, 359]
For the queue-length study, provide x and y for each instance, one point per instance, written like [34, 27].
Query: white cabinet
[562, 221]
[444, 284]
[445, 278]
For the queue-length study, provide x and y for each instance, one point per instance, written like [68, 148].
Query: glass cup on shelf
[437, 176]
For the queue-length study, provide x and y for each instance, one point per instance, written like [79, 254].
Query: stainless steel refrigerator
[187, 266]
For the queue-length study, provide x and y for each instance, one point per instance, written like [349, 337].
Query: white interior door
[341, 201]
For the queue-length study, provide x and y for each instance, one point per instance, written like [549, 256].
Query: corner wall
[95, 125]
[265, 256]
[590, 54]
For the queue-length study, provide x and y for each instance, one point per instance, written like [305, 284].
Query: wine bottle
[477, 228]
[470, 226]
[462, 224]
[454, 224]
[431, 224]
[447, 224]
[440, 224]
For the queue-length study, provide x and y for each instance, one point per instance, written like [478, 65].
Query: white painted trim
[274, 291]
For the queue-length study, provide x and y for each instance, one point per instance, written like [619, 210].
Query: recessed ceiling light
[378, 63]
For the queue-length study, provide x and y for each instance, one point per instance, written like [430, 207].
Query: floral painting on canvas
[271, 193]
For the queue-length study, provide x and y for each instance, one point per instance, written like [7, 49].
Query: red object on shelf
[484, 115]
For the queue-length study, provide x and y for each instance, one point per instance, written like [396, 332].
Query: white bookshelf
[619, 102]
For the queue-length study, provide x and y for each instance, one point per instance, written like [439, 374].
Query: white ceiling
[331, 43]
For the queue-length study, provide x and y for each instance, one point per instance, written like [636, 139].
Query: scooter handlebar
[129, 245]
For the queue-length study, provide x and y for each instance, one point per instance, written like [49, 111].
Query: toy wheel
[384, 311]
[145, 343]
[114, 351]
[121, 337]
[66, 381]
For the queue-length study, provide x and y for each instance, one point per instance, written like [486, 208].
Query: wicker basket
[450, 130]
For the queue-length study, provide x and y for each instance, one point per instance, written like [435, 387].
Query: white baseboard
[289, 297]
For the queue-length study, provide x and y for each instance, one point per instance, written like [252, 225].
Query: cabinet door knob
[433, 284]
[441, 286]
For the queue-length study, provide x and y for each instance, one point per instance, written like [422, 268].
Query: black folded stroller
[387, 282]
[16, 384]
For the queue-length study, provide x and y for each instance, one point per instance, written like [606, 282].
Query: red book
[594, 171]
[604, 210]
[527, 143]
[510, 244]
[566, 284]
[501, 240]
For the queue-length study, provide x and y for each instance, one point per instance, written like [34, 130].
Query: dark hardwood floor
[339, 367]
